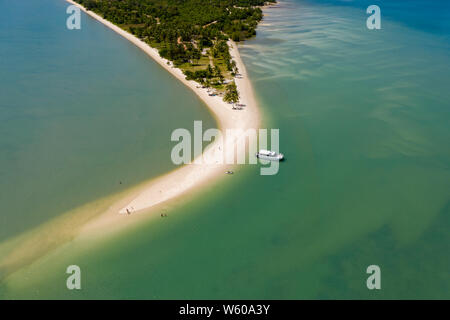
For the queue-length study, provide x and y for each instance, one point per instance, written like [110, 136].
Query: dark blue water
[431, 16]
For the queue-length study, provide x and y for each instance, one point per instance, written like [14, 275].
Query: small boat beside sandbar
[269, 155]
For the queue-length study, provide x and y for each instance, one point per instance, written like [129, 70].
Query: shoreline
[187, 177]
[147, 197]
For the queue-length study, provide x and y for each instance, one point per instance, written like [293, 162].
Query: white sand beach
[105, 215]
[193, 175]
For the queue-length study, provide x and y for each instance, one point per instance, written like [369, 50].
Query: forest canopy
[190, 33]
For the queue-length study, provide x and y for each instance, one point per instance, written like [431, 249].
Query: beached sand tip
[192, 175]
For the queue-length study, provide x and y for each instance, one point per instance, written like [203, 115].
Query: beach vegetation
[231, 93]
[185, 32]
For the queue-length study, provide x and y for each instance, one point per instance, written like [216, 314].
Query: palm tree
[231, 93]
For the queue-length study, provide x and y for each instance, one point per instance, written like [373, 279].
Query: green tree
[231, 93]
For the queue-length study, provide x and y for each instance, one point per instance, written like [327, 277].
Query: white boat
[269, 155]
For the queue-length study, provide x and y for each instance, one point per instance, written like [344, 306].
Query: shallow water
[363, 118]
[84, 114]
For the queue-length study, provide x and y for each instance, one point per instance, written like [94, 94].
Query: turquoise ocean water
[81, 111]
[363, 118]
